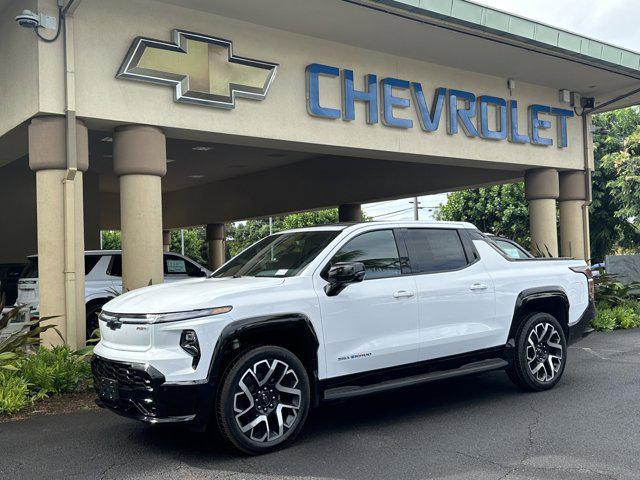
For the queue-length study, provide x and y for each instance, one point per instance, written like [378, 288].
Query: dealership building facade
[146, 116]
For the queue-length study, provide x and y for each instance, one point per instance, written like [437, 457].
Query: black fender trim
[538, 293]
[226, 341]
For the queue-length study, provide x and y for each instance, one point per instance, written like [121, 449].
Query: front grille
[125, 374]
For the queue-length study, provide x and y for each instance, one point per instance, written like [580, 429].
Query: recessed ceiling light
[202, 148]
[108, 156]
[107, 139]
[196, 176]
[592, 86]
[169, 160]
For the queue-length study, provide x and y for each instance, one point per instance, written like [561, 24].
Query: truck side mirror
[342, 274]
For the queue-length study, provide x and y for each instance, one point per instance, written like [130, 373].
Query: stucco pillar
[350, 212]
[140, 160]
[216, 244]
[60, 224]
[573, 194]
[541, 191]
[166, 240]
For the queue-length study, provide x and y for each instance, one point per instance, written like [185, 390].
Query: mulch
[67, 403]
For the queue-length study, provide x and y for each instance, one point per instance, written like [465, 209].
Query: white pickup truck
[333, 312]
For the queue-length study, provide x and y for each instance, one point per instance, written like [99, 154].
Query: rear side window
[435, 250]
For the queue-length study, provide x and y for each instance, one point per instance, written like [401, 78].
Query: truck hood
[186, 295]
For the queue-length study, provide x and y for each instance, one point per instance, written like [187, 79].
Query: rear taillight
[586, 271]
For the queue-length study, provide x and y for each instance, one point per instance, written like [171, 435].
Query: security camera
[28, 19]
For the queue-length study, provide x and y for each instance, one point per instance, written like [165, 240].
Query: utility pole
[416, 214]
[182, 240]
[270, 225]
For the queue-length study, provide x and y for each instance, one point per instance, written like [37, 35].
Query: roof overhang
[454, 33]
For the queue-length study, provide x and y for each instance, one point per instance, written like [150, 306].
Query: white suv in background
[332, 312]
[103, 280]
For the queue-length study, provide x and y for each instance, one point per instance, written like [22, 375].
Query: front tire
[541, 353]
[263, 401]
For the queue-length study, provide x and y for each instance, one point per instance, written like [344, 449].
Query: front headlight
[162, 317]
[179, 316]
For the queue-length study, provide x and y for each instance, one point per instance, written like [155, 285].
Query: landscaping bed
[618, 305]
[83, 399]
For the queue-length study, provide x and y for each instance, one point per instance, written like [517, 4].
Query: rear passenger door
[456, 296]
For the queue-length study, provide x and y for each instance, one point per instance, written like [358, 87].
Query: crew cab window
[377, 250]
[435, 250]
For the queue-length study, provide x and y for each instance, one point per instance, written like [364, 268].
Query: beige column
[216, 244]
[140, 160]
[573, 194]
[166, 240]
[541, 191]
[350, 212]
[60, 227]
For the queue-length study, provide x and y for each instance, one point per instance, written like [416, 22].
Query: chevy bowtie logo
[114, 324]
[202, 69]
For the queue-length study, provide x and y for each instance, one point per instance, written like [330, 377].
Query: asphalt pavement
[588, 427]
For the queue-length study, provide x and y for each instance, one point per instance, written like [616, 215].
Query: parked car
[510, 247]
[333, 312]
[9, 275]
[103, 280]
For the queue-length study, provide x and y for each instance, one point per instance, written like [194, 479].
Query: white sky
[612, 21]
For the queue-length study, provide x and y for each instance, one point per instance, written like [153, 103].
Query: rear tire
[263, 400]
[541, 353]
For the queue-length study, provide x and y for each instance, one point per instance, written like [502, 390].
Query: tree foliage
[499, 209]
[195, 245]
[242, 235]
[609, 228]
[615, 209]
[111, 240]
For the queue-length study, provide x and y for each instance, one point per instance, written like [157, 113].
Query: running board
[339, 393]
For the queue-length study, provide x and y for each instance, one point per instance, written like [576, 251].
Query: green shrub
[605, 320]
[54, 371]
[626, 315]
[14, 393]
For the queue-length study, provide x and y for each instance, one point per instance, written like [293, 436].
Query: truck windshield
[279, 255]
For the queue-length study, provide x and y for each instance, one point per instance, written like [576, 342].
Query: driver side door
[372, 324]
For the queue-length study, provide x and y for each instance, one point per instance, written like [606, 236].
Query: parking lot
[473, 428]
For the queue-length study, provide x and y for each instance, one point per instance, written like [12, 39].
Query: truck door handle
[478, 286]
[403, 294]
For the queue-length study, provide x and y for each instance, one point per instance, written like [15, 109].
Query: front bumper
[139, 391]
[582, 327]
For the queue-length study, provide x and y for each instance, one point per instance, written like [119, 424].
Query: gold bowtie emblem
[202, 69]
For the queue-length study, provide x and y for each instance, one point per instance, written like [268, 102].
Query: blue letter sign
[390, 101]
[313, 90]
[487, 117]
[368, 96]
